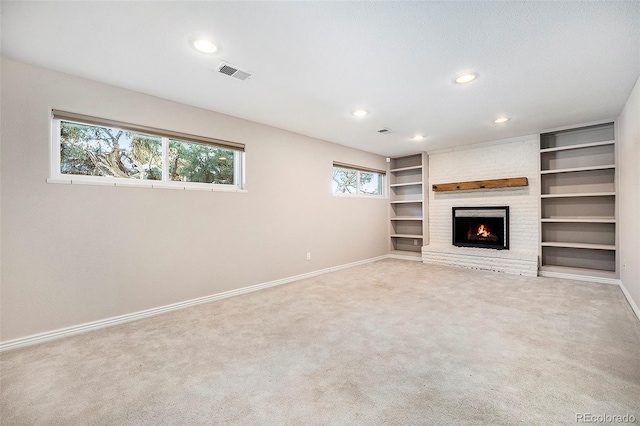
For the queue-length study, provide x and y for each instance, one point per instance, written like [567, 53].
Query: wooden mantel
[481, 184]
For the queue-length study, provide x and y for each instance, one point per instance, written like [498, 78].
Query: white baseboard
[120, 319]
[632, 303]
[600, 280]
[401, 257]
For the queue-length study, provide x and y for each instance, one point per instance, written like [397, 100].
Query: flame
[483, 231]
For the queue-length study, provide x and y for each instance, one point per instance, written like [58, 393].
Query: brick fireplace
[495, 160]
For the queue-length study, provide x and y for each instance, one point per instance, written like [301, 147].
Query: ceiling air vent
[384, 131]
[233, 71]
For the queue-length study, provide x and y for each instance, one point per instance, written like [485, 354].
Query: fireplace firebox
[483, 227]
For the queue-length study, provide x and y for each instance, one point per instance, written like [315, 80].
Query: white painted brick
[515, 158]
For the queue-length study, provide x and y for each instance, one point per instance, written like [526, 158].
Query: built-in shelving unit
[578, 202]
[408, 227]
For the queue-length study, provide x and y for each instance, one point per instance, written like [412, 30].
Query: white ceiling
[544, 64]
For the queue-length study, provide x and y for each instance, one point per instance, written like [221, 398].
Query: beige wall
[629, 188]
[73, 254]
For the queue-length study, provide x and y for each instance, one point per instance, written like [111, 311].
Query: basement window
[89, 150]
[351, 180]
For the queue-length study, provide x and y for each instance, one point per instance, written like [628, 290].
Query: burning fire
[483, 231]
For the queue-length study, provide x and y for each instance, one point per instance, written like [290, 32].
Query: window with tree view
[191, 162]
[105, 152]
[353, 181]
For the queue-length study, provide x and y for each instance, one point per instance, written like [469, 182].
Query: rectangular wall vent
[233, 71]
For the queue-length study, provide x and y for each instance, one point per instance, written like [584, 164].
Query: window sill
[380, 197]
[148, 185]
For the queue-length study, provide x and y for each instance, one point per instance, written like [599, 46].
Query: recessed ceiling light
[418, 138]
[360, 113]
[465, 78]
[501, 119]
[204, 45]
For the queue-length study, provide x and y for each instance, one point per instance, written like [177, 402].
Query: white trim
[632, 303]
[149, 184]
[237, 171]
[576, 277]
[84, 182]
[121, 319]
[165, 155]
[132, 183]
[60, 181]
[408, 257]
[243, 175]
[54, 164]
[346, 195]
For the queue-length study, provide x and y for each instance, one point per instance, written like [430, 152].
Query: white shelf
[406, 218]
[578, 146]
[393, 185]
[578, 194]
[567, 270]
[405, 201]
[580, 245]
[402, 169]
[406, 236]
[578, 220]
[578, 169]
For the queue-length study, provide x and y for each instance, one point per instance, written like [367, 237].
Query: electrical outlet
[415, 242]
[624, 264]
[308, 255]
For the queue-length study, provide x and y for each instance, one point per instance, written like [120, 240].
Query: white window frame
[56, 176]
[359, 170]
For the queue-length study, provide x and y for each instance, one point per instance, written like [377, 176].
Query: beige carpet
[393, 342]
